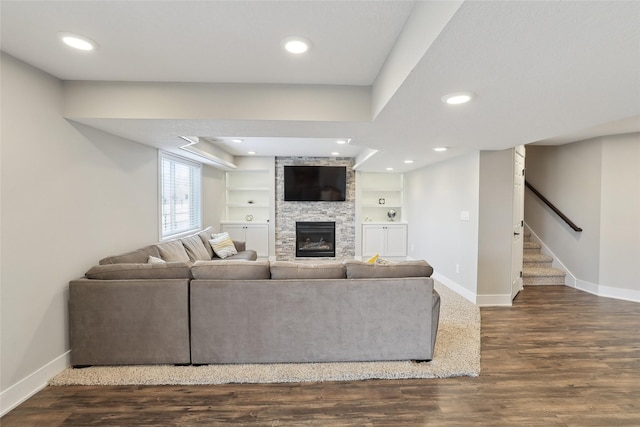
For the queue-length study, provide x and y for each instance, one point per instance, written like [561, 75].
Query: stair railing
[553, 208]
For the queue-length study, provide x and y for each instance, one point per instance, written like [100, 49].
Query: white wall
[435, 196]
[620, 213]
[69, 195]
[597, 184]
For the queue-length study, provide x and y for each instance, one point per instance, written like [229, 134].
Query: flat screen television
[315, 183]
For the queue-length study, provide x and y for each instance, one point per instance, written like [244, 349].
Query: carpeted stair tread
[537, 260]
[542, 272]
[540, 276]
[532, 245]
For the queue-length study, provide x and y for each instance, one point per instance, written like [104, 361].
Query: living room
[73, 193]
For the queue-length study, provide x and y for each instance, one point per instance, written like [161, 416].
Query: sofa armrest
[116, 322]
[240, 246]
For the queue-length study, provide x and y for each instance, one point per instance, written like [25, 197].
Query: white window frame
[195, 204]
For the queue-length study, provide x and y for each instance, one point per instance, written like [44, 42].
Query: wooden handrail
[553, 208]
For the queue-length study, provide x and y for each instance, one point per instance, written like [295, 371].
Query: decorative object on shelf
[249, 217]
[250, 202]
[392, 214]
[381, 201]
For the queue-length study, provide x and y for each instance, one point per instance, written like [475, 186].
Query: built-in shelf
[246, 199]
[379, 193]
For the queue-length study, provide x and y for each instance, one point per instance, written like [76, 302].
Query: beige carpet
[457, 354]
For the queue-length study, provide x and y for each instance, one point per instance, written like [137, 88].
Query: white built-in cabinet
[256, 236]
[378, 193]
[386, 240]
[249, 199]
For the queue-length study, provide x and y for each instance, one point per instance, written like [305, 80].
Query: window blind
[180, 196]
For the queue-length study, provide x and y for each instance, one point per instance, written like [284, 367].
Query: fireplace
[315, 239]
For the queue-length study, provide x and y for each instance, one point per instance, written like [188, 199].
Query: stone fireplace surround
[287, 213]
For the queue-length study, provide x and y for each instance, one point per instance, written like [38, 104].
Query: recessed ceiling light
[341, 141]
[440, 149]
[296, 45]
[335, 153]
[408, 161]
[78, 42]
[237, 140]
[458, 98]
[389, 169]
[251, 153]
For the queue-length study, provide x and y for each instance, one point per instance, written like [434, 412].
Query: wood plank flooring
[558, 357]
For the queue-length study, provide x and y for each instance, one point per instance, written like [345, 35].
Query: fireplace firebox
[315, 239]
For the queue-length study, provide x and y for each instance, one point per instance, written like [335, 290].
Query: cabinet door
[372, 240]
[257, 238]
[396, 240]
[236, 232]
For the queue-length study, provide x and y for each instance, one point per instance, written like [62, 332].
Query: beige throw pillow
[223, 245]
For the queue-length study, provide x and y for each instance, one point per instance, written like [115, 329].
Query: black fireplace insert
[315, 239]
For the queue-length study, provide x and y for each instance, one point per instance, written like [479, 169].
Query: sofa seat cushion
[304, 270]
[125, 271]
[196, 250]
[173, 251]
[231, 270]
[364, 270]
[138, 256]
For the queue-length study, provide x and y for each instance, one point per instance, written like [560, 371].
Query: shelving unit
[248, 193]
[379, 193]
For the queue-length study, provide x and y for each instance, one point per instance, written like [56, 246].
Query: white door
[517, 246]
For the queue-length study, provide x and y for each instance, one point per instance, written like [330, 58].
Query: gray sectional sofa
[206, 311]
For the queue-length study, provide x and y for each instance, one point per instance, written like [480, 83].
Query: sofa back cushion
[173, 251]
[304, 270]
[205, 236]
[138, 256]
[195, 248]
[364, 270]
[231, 270]
[133, 271]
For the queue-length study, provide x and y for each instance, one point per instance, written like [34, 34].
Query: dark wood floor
[558, 357]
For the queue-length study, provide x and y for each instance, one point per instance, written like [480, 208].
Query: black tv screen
[315, 183]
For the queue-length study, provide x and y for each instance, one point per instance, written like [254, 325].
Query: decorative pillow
[223, 245]
[167, 270]
[155, 260]
[381, 261]
[373, 259]
[195, 248]
[231, 270]
[363, 270]
[173, 251]
[303, 270]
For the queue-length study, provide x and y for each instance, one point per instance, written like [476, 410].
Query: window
[180, 194]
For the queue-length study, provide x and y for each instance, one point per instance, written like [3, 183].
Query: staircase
[537, 268]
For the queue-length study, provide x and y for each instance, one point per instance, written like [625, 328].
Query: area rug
[457, 353]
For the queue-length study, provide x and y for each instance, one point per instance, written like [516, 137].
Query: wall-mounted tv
[315, 183]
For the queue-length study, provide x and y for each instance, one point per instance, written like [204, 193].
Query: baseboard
[455, 287]
[33, 383]
[608, 291]
[593, 288]
[495, 300]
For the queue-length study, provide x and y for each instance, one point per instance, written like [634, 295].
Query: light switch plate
[465, 216]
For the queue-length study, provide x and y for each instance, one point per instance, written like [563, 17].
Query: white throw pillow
[223, 245]
[155, 260]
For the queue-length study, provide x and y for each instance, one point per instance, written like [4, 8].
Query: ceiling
[546, 72]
